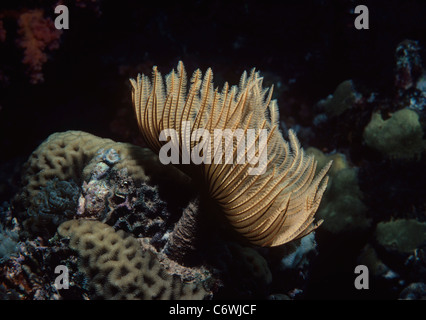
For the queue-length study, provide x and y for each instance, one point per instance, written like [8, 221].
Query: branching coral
[37, 34]
[270, 208]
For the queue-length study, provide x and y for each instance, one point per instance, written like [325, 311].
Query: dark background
[306, 48]
[312, 43]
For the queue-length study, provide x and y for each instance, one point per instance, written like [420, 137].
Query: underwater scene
[213, 150]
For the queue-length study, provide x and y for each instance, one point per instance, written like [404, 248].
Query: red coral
[36, 35]
[2, 32]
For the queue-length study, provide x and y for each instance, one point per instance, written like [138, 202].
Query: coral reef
[342, 99]
[298, 259]
[118, 269]
[376, 267]
[401, 235]
[111, 195]
[105, 188]
[181, 241]
[55, 203]
[115, 180]
[8, 243]
[375, 138]
[342, 208]
[414, 291]
[400, 136]
[408, 64]
[396, 258]
[72, 155]
[331, 88]
[27, 31]
[37, 35]
[271, 198]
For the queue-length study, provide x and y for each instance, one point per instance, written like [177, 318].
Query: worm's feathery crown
[268, 209]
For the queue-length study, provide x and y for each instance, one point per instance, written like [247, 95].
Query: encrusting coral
[114, 197]
[8, 243]
[270, 208]
[117, 268]
[342, 99]
[402, 235]
[56, 202]
[342, 206]
[400, 136]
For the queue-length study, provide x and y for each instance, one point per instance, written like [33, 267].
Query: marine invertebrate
[117, 268]
[37, 34]
[401, 235]
[343, 98]
[112, 196]
[56, 198]
[29, 273]
[74, 155]
[298, 258]
[181, 240]
[55, 203]
[400, 136]
[8, 243]
[408, 64]
[268, 209]
[401, 244]
[342, 206]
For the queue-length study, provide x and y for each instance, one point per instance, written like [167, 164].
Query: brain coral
[72, 155]
[118, 268]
